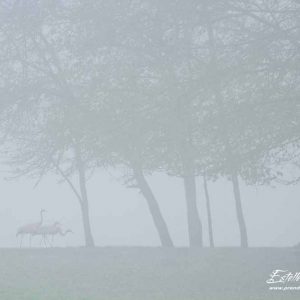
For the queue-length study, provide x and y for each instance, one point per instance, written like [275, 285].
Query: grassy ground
[143, 273]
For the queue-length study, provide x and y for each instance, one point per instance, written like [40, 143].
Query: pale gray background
[119, 216]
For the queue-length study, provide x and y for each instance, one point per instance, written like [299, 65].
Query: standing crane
[30, 229]
[51, 230]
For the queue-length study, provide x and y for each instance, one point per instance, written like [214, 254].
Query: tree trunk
[84, 204]
[209, 217]
[235, 181]
[239, 211]
[194, 223]
[156, 214]
[89, 240]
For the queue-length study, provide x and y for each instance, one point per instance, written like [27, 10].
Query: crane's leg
[50, 243]
[30, 240]
[41, 241]
[21, 239]
[45, 241]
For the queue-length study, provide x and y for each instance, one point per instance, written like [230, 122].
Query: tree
[250, 85]
[43, 114]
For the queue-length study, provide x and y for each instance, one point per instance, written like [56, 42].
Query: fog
[149, 149]
[120, 217]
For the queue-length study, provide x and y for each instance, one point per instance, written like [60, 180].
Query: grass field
[143, 273]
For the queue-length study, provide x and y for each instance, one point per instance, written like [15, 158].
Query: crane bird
[51, 230]
[30, 229]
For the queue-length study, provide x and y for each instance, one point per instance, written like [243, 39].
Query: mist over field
[120, 217]
[149, 149]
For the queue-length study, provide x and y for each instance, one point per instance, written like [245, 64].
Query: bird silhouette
[30, 229]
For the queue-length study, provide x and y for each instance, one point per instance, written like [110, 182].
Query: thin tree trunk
[159, 222]
[89, 240]
[194, 223]
[239, 210]
[209, 217]
[84, 204]
[235, 181]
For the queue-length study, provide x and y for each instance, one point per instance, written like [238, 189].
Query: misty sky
[201, 88]
[119, 216]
